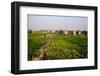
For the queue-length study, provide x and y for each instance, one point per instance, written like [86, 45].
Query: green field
[52, 45]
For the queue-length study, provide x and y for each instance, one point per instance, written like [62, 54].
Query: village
[64, 32]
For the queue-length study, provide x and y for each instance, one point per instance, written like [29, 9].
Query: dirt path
[42, 49]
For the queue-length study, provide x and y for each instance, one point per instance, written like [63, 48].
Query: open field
[54, 45]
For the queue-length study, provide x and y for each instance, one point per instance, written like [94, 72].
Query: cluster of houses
[77, 32]
[65, 32]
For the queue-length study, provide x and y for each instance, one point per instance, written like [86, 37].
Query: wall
[5, 41]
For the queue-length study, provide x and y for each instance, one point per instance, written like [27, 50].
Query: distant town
[64, 32]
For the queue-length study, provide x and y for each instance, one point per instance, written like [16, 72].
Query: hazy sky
[47, 22]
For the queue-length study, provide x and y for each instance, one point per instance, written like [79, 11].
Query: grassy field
[51, 46]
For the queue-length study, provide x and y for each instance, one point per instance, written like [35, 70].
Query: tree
[29, 31]
[84, 32]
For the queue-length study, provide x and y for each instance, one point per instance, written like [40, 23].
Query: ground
[54, 45]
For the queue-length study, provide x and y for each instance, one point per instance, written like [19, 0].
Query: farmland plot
[52, 46]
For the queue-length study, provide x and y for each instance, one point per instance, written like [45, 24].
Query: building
[77, 32]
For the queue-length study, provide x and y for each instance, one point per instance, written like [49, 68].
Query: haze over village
[53, 23]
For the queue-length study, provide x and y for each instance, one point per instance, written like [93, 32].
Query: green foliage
[58, 46]
[67, 47]
[35, 41]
